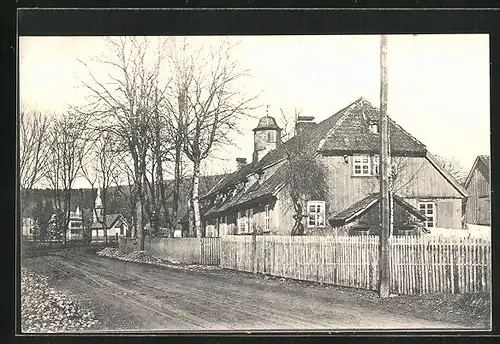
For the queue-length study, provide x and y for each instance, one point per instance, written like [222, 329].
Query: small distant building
[478, 206]
[28, 226]
[115, 223]
[75, 225]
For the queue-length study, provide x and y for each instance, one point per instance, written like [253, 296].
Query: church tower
[267, 136]
[97, 206]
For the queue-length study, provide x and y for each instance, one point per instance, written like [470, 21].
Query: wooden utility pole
[384, 280]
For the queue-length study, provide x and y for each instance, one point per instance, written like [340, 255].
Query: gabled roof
[351, 133]
[361, 207]
[482, 163]
[447, 175]
[345, 131]
[111, 220]
[268, 188]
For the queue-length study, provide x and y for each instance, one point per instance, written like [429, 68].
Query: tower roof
[267, 122]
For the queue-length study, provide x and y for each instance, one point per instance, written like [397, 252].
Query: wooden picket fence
[421, 265]
[418, 264]
[210, 251]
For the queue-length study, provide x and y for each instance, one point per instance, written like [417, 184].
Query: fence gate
[210, 251]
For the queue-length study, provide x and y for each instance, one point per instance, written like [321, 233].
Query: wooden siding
[448, 211]
[417, 179]
[421, 179]
[477, 210]
[283, 218]
[344, 189]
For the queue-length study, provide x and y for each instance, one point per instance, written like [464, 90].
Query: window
[376, 165]
[267, 216]
[374, 128]
[243, 222]
[361, 165]
[121, 229]
[270, 136]
[429, 210]
[315, 213]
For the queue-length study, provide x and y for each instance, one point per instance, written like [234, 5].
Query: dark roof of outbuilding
[485, 169]
[482, 163]
[359, 208]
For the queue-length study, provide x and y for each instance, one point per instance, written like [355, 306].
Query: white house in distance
[28, 225]
[115, 223]
[75, 225]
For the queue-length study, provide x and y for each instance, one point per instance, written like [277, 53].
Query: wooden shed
[478, 205]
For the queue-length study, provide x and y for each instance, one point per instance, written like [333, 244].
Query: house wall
[116, 230]
[448, 211]
[283, 217]
[110, 231]
[417, 179]
[477, 210]
[258, 220]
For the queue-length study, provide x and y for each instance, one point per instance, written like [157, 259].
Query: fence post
[254, 249]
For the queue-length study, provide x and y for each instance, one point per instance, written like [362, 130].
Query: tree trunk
[140, 215]
[196, 200]
[177, 184]
[67, 202]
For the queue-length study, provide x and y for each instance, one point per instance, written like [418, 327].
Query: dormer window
[374, 128]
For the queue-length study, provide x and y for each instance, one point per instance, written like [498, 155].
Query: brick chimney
[240, 162]
[303, 124]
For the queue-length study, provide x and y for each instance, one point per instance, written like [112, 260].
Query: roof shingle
[345, 131]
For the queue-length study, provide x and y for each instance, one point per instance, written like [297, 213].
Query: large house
[478, 207]
[345, 145]
[116, 224]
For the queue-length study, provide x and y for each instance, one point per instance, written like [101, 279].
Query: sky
[438, 84]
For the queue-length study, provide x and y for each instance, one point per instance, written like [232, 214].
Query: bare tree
[306, 176]
[33, 147]
[125, 183]
[289, 122]
[453, 166]
[100, 168]
[209, 104]
[68, 146]
[127, 103]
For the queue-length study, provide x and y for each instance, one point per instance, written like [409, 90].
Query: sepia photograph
[254, 183]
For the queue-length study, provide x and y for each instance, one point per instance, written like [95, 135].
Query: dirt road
[129, 296]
